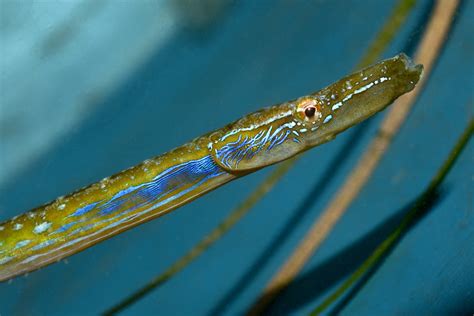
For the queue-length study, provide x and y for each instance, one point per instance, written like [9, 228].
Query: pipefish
[159, 185]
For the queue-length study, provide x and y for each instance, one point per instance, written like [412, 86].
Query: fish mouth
[409, 63]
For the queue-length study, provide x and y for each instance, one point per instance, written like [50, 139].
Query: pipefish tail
[159, 185]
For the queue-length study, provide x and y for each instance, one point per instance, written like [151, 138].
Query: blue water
[210, 69]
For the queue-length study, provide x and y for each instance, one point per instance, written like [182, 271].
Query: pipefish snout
[77, 221]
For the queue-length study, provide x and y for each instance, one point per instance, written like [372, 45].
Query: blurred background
[91, 87]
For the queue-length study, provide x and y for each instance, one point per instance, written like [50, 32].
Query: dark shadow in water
[297, 217]
[430, 203]
[415, 37]
[460, 308]
[311, 285]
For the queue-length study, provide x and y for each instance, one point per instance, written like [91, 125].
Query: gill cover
[257, 140]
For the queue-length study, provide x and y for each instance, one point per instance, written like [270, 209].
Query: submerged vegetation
[226, 163]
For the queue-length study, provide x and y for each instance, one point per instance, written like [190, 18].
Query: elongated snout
[362, 94]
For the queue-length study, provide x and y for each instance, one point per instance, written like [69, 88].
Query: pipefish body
[77, 221]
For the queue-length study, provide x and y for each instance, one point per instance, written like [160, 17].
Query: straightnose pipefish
[74, 222]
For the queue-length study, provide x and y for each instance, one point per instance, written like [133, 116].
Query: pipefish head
[355, 98]
[257, 140]
[282, 131]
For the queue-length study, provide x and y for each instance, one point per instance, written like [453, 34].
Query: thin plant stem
[417, 209]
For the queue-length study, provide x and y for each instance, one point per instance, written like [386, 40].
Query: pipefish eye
[309, 109]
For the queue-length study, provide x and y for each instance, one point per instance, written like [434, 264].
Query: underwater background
[89, 88]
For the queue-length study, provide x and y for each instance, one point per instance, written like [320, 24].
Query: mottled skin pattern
[159, 185]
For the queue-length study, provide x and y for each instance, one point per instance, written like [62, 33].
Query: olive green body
[69, 224]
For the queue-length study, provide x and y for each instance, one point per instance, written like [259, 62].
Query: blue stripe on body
[195, 171]
[233, 153]
[85, 209]
[169, 180]
[161, 203]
